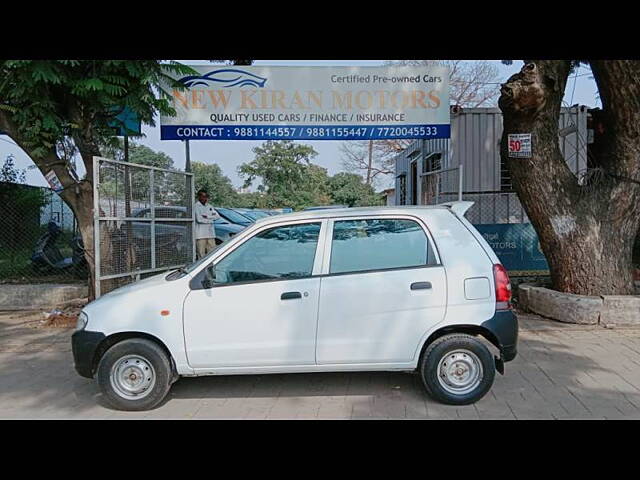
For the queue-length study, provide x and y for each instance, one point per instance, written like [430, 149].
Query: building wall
[475, 143]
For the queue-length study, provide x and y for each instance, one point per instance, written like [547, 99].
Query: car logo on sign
[225, 77]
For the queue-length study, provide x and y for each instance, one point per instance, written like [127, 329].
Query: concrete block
[36, 296]
[620, 310]
[523, 296]
[564, 307]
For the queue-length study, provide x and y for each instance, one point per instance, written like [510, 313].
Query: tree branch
[619, 91]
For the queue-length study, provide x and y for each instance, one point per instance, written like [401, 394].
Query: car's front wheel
[134, 374]
[457, 369]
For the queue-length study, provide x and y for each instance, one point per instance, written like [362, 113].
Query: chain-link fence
[497, 215]
[39, 239]
[144, 221]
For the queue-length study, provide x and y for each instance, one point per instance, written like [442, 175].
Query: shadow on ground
[554, 376]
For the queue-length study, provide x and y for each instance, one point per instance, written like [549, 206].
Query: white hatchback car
[390, 288]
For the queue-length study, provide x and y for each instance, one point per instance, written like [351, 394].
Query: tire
[142, 361]
[457, 369]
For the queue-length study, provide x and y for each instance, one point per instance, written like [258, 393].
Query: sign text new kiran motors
[310, 103]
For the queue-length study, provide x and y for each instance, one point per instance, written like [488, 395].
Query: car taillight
[503, 287]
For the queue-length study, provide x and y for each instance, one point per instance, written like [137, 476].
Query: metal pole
[460, 182]
[153, 217]
[126, 147]
[370, 162]
[190, 190]
[187, 154]
[193, 221]
[96, 227]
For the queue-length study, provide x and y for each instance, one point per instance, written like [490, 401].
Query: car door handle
[420, 285]
[290, 295]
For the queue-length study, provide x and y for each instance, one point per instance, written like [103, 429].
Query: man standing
[205, 231]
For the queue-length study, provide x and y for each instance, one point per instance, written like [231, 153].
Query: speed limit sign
[520, 145]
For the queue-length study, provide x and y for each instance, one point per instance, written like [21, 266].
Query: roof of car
[458, 207]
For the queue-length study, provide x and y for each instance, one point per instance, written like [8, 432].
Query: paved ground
[562, 371]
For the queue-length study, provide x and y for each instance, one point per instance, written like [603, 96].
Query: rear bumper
[84, 345]
[504, 327]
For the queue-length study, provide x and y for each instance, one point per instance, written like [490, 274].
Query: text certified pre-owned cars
[391, 288]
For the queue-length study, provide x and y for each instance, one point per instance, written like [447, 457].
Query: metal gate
[143, 221]
[441, 186]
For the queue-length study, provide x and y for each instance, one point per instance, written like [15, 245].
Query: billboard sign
[309, 103]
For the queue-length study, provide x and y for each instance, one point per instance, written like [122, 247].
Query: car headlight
[83, 319]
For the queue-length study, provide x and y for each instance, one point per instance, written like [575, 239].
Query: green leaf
[94, 84]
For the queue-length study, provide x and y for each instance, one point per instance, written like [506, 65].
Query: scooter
[47, 255]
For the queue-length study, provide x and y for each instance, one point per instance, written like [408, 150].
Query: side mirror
[209, 276]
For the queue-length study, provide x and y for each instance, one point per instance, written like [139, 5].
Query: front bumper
[84, 345]
[504, 327]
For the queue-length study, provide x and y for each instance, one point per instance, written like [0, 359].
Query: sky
[229, 154]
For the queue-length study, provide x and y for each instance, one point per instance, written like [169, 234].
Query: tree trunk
[587, 230]
[82, 205]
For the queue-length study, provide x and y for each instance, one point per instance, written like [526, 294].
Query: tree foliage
[51, 107]
[19, 209]
[349, 189]
[284, 168]
[138, 153]
[289, 179]
[9, 173]
[44, 101]
[210, 178]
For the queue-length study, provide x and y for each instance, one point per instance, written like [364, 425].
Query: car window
[280, 252]
[361, 245]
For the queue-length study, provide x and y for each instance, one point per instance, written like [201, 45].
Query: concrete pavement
[562, 371]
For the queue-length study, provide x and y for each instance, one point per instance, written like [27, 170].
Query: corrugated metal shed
[475, 143]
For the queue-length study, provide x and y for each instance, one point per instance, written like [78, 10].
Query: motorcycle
[47, 255]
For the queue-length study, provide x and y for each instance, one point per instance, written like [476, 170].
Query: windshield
[232, 215]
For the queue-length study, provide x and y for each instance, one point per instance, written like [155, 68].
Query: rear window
[378, 244]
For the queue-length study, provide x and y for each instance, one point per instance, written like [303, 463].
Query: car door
[261, 309]
[383, 288]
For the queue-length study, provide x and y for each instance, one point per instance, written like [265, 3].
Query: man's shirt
[205, 216]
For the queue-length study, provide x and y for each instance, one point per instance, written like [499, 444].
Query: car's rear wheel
[134, 374]
[457, 369]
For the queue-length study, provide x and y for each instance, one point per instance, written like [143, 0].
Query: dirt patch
[60, 320]
[64, 317]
